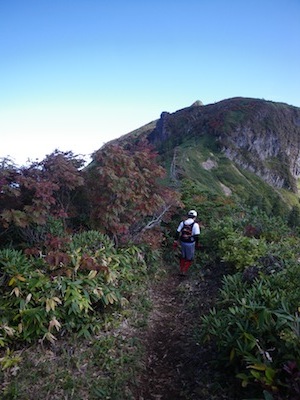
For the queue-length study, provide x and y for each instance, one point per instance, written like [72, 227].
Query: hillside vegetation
[81, 247]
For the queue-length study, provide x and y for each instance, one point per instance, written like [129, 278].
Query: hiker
[188, 233]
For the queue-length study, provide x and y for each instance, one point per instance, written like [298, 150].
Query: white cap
[192, 214]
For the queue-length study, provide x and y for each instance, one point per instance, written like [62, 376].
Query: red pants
[185, 265]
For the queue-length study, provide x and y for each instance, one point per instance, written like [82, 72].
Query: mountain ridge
[242, 139]
[260, 136]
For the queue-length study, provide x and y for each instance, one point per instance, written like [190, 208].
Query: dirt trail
[177, 368]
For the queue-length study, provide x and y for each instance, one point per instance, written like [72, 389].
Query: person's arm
[177, 234]
[196, 234]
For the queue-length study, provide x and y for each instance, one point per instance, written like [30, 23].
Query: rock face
[260, 136]
[197, 103]
[268, 145]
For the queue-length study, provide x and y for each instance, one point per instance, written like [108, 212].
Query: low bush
[66, 290]
[242, 251]
[256, 329]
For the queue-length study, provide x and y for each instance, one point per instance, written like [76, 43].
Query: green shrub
[91, 241]
[288, 280]
[212, 235]
[242, 251]
[256, 328]
[66, 291]
[269, 227]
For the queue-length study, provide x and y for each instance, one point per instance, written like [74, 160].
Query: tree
[30, 195]
[64, 170]
[125, 190]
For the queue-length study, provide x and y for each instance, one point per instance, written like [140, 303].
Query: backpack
[186, 232]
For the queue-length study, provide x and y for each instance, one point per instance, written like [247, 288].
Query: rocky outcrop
[268, 144]
[260, 136]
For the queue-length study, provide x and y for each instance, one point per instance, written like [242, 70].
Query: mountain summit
[260, 136]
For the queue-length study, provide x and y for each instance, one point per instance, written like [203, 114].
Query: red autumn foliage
[125, 192]
[57, 259]
[56, 242]
[90, 264]
[29, 195]
[120, 194]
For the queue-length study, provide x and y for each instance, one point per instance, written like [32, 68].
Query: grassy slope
[191, 159]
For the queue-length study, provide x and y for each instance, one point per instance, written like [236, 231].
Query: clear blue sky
[75, 74]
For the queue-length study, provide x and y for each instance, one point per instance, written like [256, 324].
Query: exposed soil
[176, 366]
